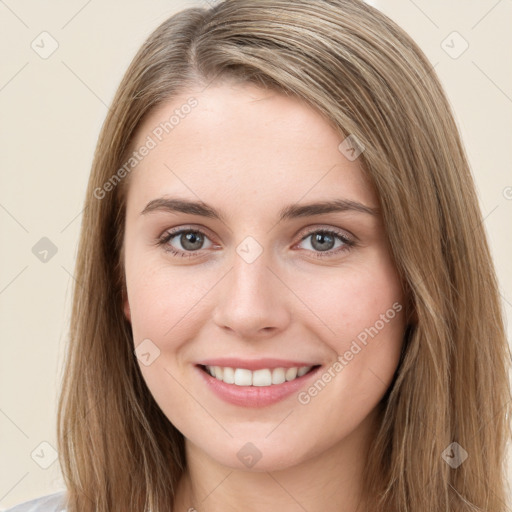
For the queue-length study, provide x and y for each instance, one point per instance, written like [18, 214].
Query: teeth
[302, 371]
[243, 377]
[264, 377]
[291, 373]
[228, 377]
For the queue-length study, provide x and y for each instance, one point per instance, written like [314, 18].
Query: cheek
[353, 299]
[162, 300]
[164, 307]
[360, 314]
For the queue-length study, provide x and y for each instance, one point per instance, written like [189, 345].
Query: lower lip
[255, 396]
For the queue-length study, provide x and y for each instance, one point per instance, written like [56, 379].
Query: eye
[184, 242]
[323, 242]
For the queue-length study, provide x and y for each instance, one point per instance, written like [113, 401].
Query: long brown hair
[117, 449]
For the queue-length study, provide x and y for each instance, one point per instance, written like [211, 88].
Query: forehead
[241, 141]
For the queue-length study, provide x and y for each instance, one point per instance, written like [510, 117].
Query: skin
[250, 152]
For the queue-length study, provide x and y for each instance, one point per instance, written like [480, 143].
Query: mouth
[264, 377]
[262, 387]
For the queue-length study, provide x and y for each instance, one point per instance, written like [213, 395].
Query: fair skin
[248, 153]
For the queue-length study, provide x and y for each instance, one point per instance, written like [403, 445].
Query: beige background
[52, 110]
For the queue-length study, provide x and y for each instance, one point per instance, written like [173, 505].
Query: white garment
[51, 503]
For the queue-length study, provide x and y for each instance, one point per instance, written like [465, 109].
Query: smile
[259, 388]
[262, 378]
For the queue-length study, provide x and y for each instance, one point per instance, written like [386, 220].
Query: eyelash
[169, 235]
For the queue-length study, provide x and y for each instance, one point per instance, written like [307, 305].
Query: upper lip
[254, 364]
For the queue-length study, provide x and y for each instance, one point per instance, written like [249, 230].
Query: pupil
[191, 241]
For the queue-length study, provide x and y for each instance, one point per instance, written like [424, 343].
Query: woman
[285, 295]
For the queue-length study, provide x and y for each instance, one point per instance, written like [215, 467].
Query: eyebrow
[292, 211]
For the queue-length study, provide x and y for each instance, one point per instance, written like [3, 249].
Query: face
[229, 264]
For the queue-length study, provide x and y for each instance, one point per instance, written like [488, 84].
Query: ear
[126, 306]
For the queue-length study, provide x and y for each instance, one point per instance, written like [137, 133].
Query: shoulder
[55, 502]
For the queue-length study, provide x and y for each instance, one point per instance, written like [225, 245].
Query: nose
[253, 300]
